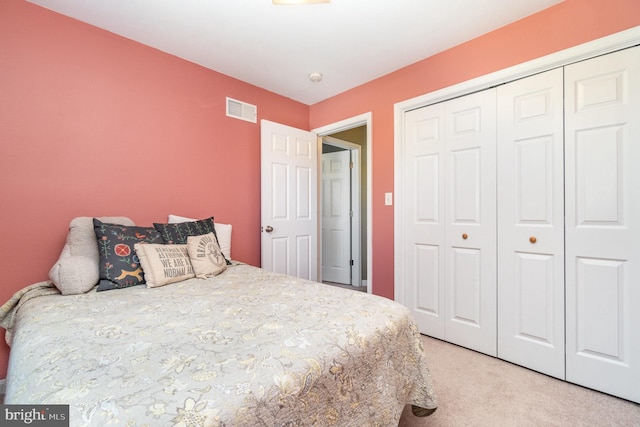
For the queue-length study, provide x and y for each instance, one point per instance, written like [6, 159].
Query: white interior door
[470, 221]
[602, 158]
[289, 198]
[531, 223]
[336, 217]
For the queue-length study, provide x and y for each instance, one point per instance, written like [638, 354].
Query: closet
[531, 222]
[451, 193]
[520, 224]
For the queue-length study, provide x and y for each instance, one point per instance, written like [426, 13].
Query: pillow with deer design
[119, 264]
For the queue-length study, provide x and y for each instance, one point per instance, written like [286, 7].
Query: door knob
[464, 236]
[268, 229]
[533, 239]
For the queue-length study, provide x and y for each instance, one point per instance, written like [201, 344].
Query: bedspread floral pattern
[246, 348]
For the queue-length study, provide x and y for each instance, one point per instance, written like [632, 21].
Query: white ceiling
[276, 47]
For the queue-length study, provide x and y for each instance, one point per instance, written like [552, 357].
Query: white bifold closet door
[423, 222]
[470, 221]
[531, 223]
[450, 223]
[602, 140]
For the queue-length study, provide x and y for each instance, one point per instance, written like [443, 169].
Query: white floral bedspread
[246, 348]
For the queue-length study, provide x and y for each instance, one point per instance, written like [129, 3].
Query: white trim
[346, 124]
[604, 45]
[360, 120]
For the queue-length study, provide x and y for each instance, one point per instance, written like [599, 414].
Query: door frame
[356, 200]
[346, 124]
[607, 44]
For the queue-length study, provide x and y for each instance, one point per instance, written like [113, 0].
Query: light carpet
[478, 390]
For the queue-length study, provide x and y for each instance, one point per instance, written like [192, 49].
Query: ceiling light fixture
[315, 77]
[300, 1]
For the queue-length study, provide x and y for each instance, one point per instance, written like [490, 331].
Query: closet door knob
[464, 236]
[533, 239]
[268, 229]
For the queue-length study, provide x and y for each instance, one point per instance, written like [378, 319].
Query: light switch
[388, 199]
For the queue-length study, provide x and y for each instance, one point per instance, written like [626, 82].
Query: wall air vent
[242, 110]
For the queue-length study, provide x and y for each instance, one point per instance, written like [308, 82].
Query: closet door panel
[465, 282]
[600, 304]
[470, 221]
[603, 223]
[423, 218]
[465, 183]
[427, 294]
[599, 185]
[531, 223]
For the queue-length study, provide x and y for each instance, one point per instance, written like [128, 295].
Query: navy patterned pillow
[177, 233]
[119, 264]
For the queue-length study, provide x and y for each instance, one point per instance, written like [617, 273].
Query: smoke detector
[315, 77]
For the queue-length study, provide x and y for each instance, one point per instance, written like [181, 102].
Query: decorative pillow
[223, 233]
[164, 264]
[205, 254]
[176, 234]
[76, 271]
[119, 264]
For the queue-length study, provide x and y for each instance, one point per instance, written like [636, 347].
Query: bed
[245, 347]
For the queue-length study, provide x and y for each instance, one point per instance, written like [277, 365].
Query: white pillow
[223, 232]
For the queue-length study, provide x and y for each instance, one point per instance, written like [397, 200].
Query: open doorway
[340, 212]
[344, 208]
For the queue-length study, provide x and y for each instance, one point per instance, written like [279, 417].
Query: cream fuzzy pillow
[76, 270]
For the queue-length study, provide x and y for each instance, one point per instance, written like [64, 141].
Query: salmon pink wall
[565, 25]
[93, 124]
